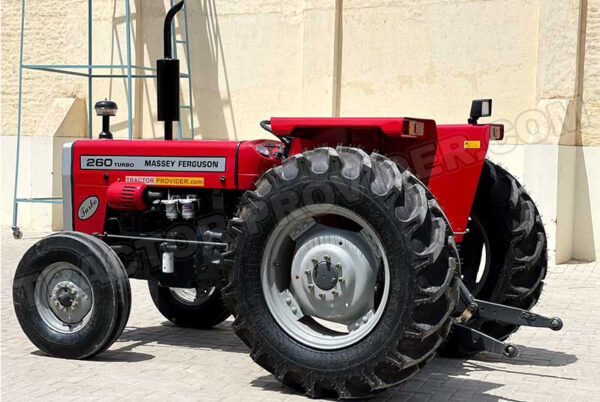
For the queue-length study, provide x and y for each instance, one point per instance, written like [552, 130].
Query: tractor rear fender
[447, 158]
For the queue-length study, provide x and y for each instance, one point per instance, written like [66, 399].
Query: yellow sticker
[168, 181]
[472, 144]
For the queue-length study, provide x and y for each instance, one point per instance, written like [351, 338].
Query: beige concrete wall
[538, 59]
[431, 58]
[56, 33]
[590, 127]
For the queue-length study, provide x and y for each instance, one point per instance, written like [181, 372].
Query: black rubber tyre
[417, 240]
[109, 284]
[212, 311]
[518, 260]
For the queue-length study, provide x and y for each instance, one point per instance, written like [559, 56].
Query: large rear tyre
[71, 295]
[504, 256]
[188, 307]
[341, 273]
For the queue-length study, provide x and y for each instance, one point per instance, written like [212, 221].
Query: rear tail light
[413, 127]
[496, 132]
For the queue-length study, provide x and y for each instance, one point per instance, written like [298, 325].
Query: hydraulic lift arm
[476, 341]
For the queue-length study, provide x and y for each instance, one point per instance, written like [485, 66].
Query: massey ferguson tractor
[349, 250]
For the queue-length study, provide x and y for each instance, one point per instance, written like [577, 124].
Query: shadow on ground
[109, 356]
[220, 337]
[430, 384]
[529, 356]
[444, 378]
[440, 379]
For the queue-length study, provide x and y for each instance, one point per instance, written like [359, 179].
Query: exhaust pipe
[167, 78]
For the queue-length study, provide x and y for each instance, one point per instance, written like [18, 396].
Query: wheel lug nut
[334, 292]
[357, 326]
[321, 294]
[288, 301]
[307, 272]
[310, 286]
[365, 319]
[326, 258]
[314, 261]
[294, 310]
[338, 265]
[341, 279]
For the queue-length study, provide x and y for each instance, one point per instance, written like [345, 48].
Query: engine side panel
[96, 164]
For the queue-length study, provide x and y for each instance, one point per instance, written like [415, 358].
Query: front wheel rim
[325, 286]
[64, 297]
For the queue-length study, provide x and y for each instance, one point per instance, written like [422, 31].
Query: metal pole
[90, 54]
[18, 151]
[129, 106]
[174, 40]
[189, 70]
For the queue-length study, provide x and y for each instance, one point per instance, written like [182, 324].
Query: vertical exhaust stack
[167, 78]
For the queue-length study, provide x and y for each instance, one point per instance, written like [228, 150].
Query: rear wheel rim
[190, 296]
[325, 286]
[476, 256]
[64, 297]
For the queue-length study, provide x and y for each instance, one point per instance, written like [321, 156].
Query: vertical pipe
[90, 79]
[174, 40]
[18, 151]
[337, 59]
[138, 91]
[189, 70]
[129, 105]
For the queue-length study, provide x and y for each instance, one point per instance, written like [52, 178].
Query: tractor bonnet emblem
[88, 208]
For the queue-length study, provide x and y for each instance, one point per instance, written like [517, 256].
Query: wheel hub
[325, 275]
[69, 302]
[333, 275]
[66, 297]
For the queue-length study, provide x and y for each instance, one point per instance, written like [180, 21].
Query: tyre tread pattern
[418, 215]
[116, 276]
[526, 260]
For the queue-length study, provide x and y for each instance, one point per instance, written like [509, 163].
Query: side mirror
[480, 108]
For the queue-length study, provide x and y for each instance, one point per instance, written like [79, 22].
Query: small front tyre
[71, 295]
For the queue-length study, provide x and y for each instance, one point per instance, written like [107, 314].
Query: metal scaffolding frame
[90, 74]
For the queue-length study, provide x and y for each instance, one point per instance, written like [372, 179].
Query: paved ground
[155, 360]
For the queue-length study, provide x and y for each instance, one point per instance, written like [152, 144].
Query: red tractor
[349, 250]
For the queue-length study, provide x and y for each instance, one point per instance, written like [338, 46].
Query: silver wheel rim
[322, 284]
[476, 280]
[191, 296]
[64, 297]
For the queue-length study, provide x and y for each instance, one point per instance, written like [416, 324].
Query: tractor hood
[91, 166]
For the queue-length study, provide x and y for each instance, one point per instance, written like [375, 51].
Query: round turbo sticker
[88, 207]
